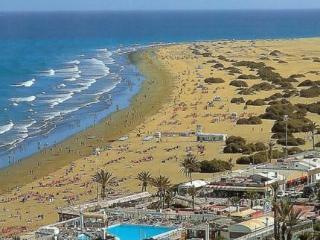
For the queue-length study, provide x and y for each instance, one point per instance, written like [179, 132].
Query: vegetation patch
[273, 97]
[309, 83]
[233, 70]
[282, 101]
[218, 65]
[294, 150]
[291, 141]
[249, 121]
[214, 166]
[211, 80]
[250, 64]
[246, 77]
[264, 86]
[313, 107]
[277, 111]
[256, 102]
[310, 92]
[260, 157]
[238, 100]
[294, 126]
[238, 83]
[246, 91]
[238, 145]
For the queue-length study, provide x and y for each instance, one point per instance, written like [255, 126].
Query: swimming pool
[136, 232]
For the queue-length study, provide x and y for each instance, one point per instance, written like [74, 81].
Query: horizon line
[159, 10]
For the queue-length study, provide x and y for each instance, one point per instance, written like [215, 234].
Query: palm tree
[234, 201]
[271, 144]
[162, 184]
[293, 219]
[192, 191]
[284, 209]
[305, 236]
[313, 127]
[169, 198]
[252, 195]
[275, 189]
[144, 177]
[104, 178]
[189, 165]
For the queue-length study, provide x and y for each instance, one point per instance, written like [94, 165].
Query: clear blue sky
[56, 5]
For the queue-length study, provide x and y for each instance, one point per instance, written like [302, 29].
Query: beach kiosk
[211, 137]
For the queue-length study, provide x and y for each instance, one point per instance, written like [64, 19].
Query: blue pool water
[136, 232]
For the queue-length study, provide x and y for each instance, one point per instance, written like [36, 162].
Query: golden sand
[168, 102]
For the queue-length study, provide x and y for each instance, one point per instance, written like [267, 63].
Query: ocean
[56, 67]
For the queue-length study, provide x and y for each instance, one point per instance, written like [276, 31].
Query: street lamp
[285, 119]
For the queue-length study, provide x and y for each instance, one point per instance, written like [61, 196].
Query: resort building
[250, 226]
[241, 182]
[184, 187]
[299, 169]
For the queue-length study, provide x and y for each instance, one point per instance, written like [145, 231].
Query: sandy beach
[174, 98]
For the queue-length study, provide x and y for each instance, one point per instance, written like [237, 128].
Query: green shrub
[233, 148]
[285, 85]
[213, 80]
[313, 107]
[290, 93]
[245, 77]
[258, 158]
[277, 112]
[249, 121]
[310, 92]
[280, 135]
[249, 149]
[243, 160]
[260, 146]
[238, 83]
[249, 64]
[290, 79]
[254, 147]
[291, 141]
[294, 150]
[307, 83]
[256, 102]
[266, 73]
[294, 125]
[246, 91]
[206, 54]
[235, 139]
[212, 61]
[237, 100]
[218, 65]
[223, 58]
[282, 101]
[233, 70]
[214, 166]
[274, 97]
[264, 86]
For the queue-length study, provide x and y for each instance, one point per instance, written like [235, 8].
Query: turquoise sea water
[136, 232]
[56, 68]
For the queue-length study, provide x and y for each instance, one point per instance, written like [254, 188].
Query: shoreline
[53, 162]
[155, 90]
[175, 98]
